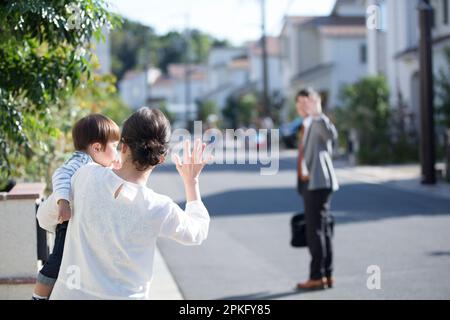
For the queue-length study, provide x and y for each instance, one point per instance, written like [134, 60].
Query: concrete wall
[18, 241]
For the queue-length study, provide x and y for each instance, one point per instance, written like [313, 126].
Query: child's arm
[61, 183]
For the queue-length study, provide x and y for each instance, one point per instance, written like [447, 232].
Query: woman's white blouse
[110, 242]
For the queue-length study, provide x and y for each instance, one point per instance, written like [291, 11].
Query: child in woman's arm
[95, 139]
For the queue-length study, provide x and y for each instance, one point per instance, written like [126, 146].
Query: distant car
[289, 133]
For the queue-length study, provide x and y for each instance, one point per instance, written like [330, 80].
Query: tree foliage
[382, 134]
[135, 46]
[44, 58]
[366, 109]
[443, 92]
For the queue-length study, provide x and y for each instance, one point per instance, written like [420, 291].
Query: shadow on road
[284, 164]
[352, 203]
[265, 295]
[439, 253]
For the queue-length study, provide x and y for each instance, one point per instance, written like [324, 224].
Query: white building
[228, 69]
[233, 71]
[274, 67]
[176, 89]
[402, 57]
[135, 86]
[325, 52]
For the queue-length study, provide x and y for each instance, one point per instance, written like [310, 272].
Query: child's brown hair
[94, 128]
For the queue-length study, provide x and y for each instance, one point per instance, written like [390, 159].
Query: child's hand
[193, 163]
[64, 212]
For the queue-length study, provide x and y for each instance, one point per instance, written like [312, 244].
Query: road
[247, 254]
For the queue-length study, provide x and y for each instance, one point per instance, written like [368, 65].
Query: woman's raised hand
[193, 162]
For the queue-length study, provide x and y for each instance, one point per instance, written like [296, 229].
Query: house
[236, 70]
[274, 67]
[402, 56]
[135, 86]
[325, 52]
[228, 69]
[180, 88]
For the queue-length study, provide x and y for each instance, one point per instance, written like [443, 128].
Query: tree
[133, 46]
[366, 109]
[443, 92]
[205, 109]
[164, 109]
[44, 58]
[240, 110]
[443, 107]
[136, 46]
[247, 108]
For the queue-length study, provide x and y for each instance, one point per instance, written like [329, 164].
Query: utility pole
[427, 136]
[147, 65]
[264, 60]
[146, 89]
[187, 73]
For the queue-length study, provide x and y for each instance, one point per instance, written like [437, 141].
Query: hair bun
[150, 151]
[147, 133]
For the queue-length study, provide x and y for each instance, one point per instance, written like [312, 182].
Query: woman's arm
[190, 226]
[47, 214]
[191, 167]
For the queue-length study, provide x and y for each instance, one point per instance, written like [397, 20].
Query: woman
[111, 237]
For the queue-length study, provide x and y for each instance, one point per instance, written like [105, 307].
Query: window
[363, 53]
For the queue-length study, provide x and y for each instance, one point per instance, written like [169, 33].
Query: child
[95, 139]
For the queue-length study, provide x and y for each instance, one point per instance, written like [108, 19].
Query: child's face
[104, 157]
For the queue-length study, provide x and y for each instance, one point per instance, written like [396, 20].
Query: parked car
[289, 133]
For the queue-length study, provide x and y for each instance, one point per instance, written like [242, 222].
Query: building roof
[131, 74]
[240, 63]
[272, 45]
[343, 31]
[294, 20]
[327, 23]
[415, 49]
[163, 80]
[311, 72]
[335, 21]
[178, 71]
[339, 3]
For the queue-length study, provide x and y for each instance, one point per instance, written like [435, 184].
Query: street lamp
[427, 135]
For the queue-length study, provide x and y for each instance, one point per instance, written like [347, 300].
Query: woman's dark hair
[147, 133]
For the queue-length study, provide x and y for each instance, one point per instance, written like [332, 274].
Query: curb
[164, 286]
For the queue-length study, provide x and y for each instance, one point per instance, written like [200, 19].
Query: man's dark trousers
[318, 232]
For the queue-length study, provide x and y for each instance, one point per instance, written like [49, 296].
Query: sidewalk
[403, 177]
[163, 286]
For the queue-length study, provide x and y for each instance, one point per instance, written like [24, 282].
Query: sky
[235, 20]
